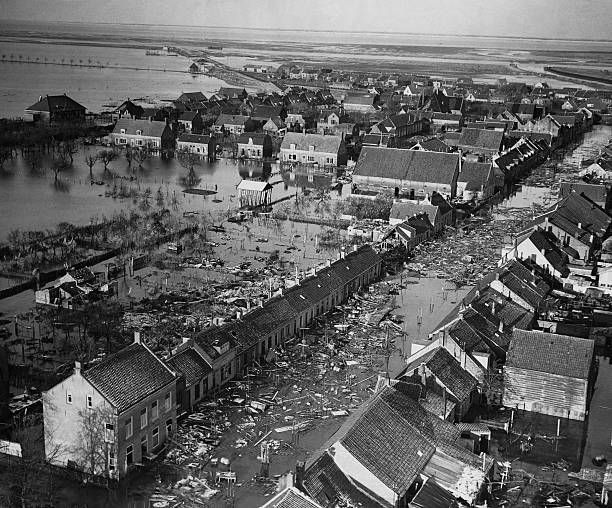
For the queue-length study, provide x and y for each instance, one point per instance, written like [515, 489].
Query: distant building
[142, 134]
[360, 103]
[55, 109]
[481, 141]
[106, 419]
[253, 145]
[231, 124]
[196, 143]
[191, 122]
[313, 149]
[412, 173]
[476, 181]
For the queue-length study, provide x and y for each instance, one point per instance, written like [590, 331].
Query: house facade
[55, 109]
[142, 134]
[106, 419]
[325, 151]
[196, 143]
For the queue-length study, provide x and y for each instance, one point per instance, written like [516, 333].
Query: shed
[548, 373]
[254, 193]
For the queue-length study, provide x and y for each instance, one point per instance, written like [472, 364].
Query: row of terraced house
[111, 416]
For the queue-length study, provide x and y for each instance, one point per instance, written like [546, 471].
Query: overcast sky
[581, 19]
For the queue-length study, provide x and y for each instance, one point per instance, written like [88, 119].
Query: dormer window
[292, 146]
[311, 148]
[122, 131]
[138, 132]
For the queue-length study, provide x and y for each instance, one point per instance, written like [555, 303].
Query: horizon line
[511, 37]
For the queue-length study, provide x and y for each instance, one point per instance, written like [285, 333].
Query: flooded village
[314, 286]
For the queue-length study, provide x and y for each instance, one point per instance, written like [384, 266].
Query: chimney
[238, 315]
[580, 225]
[423, 374]
[493, 308]
[300, 470]
[137, 337]
[186, 340]
[501, 326]
[342, 253]
[328, 262]
[460, 160]
[355, 248]
[496, 275]
[77, 368]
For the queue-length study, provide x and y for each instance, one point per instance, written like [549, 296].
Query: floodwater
[32, 202]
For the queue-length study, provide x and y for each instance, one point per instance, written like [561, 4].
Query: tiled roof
[545, 243]
[481, 138]
[594, 192]
[388, 446]
[475, 173]
[448, 370]
[320, 143]
[552, 353]
[194, 138]
[148, 128]
[431, 495]
[415, 165]
[128, 376]
[56, 104]
[225, 119]
[435, 145]
[291, 498]
[188, 116]
[324, 481]
[257, 138]
[190, 364]
[402, 210]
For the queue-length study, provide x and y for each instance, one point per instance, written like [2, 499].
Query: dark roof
[128, 376]
[148, 128]
[56, 104]
[194, 138]
[431, 495]
[412, 165]
[545, 242]
[387, 443]
[562, 355]
[192, 97]
[481, 139]
[188, 116]
[225, 119]
[435, 145]
[595, 192]
[444, 366]
[475, 174]
[324, 481]
[190, 364]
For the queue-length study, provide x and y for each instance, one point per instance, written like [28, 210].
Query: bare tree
[59, 165]
[35, 162]
[96, 440]
[107, 156]
[68, 149]
[189, 161]
[129, 156]
[91, 161]
[141, 155]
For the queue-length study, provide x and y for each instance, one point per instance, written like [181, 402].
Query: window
[89, 402]
[168, 427]
[205, 385]
[143, 418]
[292, 147]
[197, 392]
[122, 131]
[144, 445]
[154, 410]
[129, 455]
[138, 132]
[68, 398]
[112, 460]
[269, 342]
[168, 401]
[129, 428]
[155, 437]
[311, 158]
[139, 142]
[109, 434]
[123, 141]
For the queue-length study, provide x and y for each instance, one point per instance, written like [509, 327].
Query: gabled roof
[445, 367]
[148, 128]
[403, 210]
[56, 104]
[324, 481]
[291, 498]
[546, 243]
[320, 143]
[194, 138]
[128, 376]
[225, 119]
[435, 145]
[188, 116]
[595, 192]
[475, 174]
[192, 97]
[415, 165]
[256, 138]
[481, 139]
[551, 353]
[190, 364]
